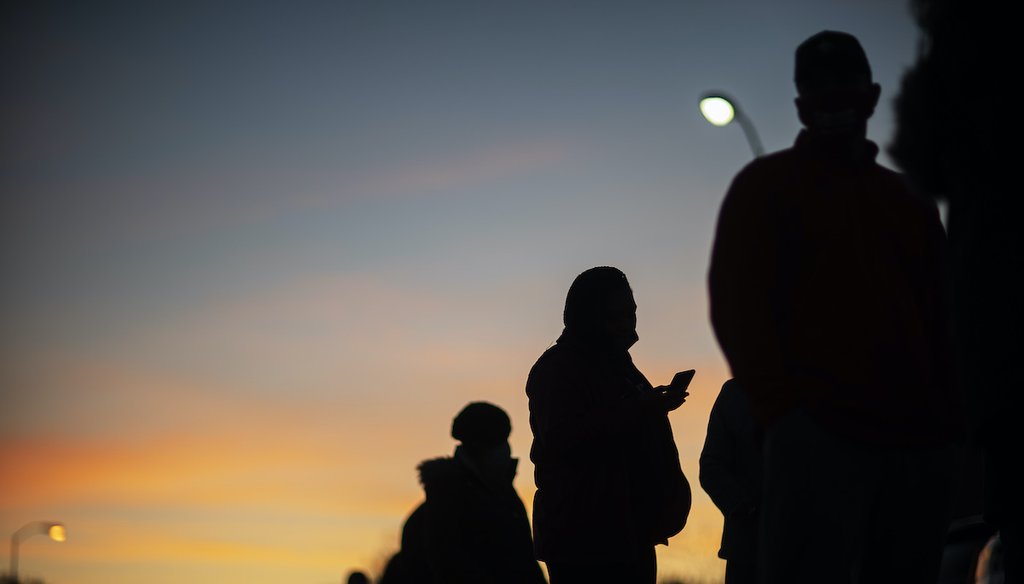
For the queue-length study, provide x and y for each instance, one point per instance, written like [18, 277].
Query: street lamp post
[56, 531]
[719, 109]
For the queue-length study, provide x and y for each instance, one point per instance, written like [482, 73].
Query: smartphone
[682, 380]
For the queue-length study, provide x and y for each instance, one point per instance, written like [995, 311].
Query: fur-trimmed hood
[459, 471]
[436, 472]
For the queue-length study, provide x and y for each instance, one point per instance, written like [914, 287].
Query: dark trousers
[642, 570]
[837, 511]
[740, 572]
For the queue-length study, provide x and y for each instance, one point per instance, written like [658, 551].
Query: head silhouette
[835, 94]
[357, 577]
[600, 308]
[482, 427]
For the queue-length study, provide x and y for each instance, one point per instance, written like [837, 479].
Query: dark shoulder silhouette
[472, 527]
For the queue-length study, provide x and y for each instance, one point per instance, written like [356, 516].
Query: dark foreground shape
[827, 289]
[971, 49]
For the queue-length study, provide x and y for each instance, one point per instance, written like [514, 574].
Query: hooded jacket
[609, 483]
[472, 528]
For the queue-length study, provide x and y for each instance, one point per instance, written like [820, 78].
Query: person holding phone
[609, 483]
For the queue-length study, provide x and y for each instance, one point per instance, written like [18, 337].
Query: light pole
[56, 531]
[719, 109]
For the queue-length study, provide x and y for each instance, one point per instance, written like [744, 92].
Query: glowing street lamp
[720, 110]
[54, 530]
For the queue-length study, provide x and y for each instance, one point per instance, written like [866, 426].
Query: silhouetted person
[954, 152]
[827, 298]
[472, 528]
[357, 577]
[730, 473]
[609, 483]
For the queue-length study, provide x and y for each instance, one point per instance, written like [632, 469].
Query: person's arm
[746, 295]
[720, 459]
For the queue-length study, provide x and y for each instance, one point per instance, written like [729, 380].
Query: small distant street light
[55, 531]
[719, 109]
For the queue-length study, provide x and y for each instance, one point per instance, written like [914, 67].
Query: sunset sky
[256, 255]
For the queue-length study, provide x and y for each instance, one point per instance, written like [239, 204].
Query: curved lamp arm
[720, 109]
[54, 529]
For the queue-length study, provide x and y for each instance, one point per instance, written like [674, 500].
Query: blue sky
[297, 238]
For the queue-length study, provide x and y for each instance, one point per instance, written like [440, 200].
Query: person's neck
[849, 152]
[845, 150]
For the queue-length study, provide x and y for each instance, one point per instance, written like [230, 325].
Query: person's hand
[665, 398]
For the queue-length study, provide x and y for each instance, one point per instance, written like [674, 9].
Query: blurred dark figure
[609, 483]
[827, 297]
[730, 472]
[357, 577]
[958, 149]
[472, 528]
[392, 573]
